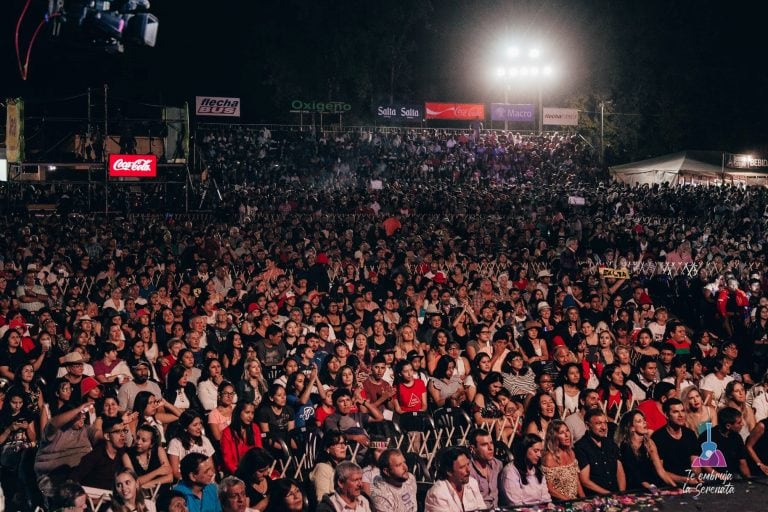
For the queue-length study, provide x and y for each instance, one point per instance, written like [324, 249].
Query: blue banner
[400, 111]
[511, 112]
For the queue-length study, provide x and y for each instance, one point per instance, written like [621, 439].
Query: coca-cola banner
[465, 111]
[132, 166]
[510, 112]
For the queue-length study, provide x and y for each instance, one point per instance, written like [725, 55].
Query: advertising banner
[561, 116]
[460, 111]
[322, 107]
[510, 112]
[398, 111]
[735, 161]
[132, 166]
[14, 130]
[217, 106]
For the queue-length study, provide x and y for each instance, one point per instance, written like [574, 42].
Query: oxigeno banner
[399, 111]
[561, 116]
[14, 130]
[465, 111]
[322, 107]
[510, 112]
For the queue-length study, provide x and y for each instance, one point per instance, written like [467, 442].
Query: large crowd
[400, 320]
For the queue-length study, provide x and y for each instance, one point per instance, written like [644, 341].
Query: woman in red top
[240, 436]
[410, 402]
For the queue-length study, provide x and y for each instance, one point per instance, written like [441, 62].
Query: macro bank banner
[456, 111]
[561, 116]
[512, 112]
[398, 111]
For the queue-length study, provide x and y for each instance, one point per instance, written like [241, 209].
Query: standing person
[197, 483]
[559, 463]
[485, 468]
[522, 480]
[454, 489]
[600, 469]
[128, 495]
[394, 490]
[677, 445]
[348, 496]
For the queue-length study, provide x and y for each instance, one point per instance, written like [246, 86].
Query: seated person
[98, 467]
[351, 424]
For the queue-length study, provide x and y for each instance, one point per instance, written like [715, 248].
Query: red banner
[465, 111]
[132, 166]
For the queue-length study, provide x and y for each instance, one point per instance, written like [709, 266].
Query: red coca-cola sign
[132, 166]
[461, 111]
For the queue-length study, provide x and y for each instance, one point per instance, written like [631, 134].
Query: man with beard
[600, 469]
[140, 382]
[677, 444]
[394, 489]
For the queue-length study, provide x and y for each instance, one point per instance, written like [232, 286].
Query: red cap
[252, 307]
[142, 312]
[322, 258]
[87, 385]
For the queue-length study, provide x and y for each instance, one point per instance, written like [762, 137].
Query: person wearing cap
[140, 373]
[544, 278]
[74, 365]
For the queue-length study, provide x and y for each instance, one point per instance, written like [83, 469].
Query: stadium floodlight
[528, 67]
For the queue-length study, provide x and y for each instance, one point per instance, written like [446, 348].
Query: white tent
[688, 167]
[675, 169]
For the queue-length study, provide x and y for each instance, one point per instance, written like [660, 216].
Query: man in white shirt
[348, 480]
[713, 384]
[455, 489]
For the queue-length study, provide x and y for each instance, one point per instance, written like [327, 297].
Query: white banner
[217, 106]
[561, 116]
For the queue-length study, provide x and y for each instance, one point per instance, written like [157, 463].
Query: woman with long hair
[606, 341]
[406, 342]
[253, 386]
[638, 453]
[438, 347]
[179, 391]
[329, 370]
[190, 438]
[519, 378]
[570, 382]
[155, 412]
[127, 494]
[491, 406]
[559, 463]
[208, 386]
[541, 410]
[643, 346]
[614, 393]
[17, 436]
[285, 495]
[522, 482]
[241, 435]
[253, 469]
[736, 397]
[221, 416]
[148, 459]
[334, 451]
[346, 379]
[443, 389]
[698, 413]
[275, 417]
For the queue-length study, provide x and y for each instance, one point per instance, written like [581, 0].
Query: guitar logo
[710, 456]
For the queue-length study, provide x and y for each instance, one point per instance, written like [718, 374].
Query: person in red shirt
[678, 338]
[410, 401]
[166, 363]
[652, 408]
[240, 436]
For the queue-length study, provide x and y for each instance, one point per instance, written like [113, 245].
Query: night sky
[680, 74]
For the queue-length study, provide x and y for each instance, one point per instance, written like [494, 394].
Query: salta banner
[457, 111]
